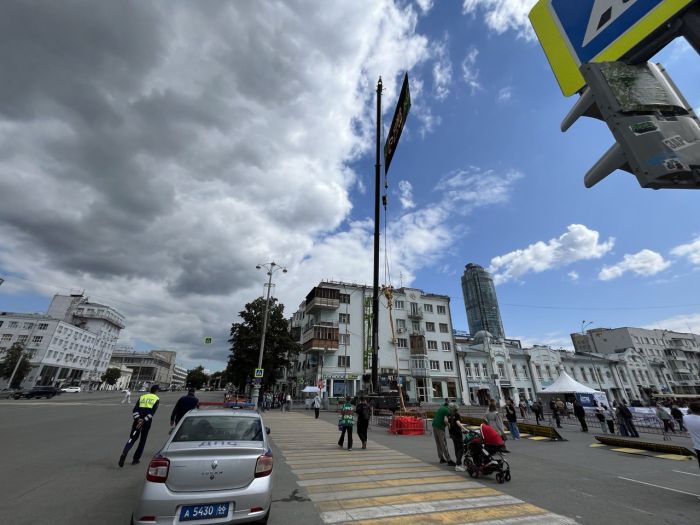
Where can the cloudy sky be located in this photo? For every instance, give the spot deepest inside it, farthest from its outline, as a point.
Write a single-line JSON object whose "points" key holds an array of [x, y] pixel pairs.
{"points": [[152, 153]]}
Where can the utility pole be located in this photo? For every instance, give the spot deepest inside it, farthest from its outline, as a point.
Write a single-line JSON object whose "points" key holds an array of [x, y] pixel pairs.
{"points": [[375, 282]]}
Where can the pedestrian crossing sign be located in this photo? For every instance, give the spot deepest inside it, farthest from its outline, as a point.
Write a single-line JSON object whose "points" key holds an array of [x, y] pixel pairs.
{"points": [[208, 340], [577, 32], [259, 373]]}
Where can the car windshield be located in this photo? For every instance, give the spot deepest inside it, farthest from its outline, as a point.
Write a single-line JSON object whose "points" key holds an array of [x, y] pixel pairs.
{"points": [[203, 428]]}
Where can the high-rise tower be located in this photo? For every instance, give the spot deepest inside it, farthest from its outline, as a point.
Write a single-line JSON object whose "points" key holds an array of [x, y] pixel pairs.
{"points": [[481, 302]]}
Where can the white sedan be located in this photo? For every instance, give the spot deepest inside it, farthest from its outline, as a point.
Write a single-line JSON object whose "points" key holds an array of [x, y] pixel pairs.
{"points": [[72, 389]]}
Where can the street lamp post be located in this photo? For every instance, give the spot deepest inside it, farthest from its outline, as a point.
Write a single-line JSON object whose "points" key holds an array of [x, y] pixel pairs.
{"points": [[271, 268]]}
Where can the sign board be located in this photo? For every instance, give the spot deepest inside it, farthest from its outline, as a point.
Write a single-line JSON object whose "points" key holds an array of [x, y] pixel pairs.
{"points": [[400, 114], [259, 372], [576, 32], [208, 340]]}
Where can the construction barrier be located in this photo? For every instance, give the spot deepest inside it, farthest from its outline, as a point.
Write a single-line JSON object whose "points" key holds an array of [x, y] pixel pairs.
{"points": [[407, 426], [645, 445]]}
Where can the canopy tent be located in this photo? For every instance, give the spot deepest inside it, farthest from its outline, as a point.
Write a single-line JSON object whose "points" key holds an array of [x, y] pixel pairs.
{"points": [[565, 384], [311, 389]]}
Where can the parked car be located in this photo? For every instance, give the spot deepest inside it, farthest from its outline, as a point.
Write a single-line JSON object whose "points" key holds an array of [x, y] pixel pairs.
{"points": [[38, 391], [72, 389], [7, 393], [216, 465]]}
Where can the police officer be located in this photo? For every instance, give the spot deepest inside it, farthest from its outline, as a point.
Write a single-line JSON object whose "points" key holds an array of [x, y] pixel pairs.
{"points": [[144, 410], [183, 405]]}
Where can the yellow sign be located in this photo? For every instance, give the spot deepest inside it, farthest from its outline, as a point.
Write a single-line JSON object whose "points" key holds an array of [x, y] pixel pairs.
{"points": [[581, 31]]}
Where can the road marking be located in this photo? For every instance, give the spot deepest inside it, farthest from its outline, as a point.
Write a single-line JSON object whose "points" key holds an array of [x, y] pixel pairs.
{"points": [[405, 491], [675, 457], [355, 477], [596, 445], [538, 438], [368, 472], [340, 487], [459, 516], [631, 451], [659, 486], [688, 473], [347, 468]]}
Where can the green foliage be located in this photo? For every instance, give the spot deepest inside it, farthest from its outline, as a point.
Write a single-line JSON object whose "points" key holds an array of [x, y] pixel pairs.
{"points": [[196, 377], [111, 375], [280, 347], [10, 361]]}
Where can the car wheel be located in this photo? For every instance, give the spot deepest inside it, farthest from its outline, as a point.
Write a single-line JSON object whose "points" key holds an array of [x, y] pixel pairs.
{"points": [[263, 521]]}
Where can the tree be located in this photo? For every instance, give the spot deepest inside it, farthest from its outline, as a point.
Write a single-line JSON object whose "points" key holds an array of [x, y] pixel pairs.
{"points": [[280, 347], [216, 378], [111, 375], [14, 353], [196, 377]]}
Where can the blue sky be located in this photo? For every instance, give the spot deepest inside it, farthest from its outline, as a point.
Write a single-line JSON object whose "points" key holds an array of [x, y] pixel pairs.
{"points": [[201, 140]]}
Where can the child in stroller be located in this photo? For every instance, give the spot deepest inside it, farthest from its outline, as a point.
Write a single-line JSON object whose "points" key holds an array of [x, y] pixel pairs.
{"points": [[483, 454]]}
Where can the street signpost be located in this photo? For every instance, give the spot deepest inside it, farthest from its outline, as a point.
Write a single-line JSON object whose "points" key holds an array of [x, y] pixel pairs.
{"points": [[573, 33], [208, 340], [259, 372], [400, 113]]}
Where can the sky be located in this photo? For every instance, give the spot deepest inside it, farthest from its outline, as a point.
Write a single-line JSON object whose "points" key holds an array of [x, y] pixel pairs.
{"points": [[153, 153]]}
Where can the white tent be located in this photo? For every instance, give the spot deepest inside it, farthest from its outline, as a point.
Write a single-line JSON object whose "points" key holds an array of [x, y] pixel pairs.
{"points": [[565, 384], [311, 389]]}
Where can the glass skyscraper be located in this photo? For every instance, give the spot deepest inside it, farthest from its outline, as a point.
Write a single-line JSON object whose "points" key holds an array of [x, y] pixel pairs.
{"points": [[481, 302]]}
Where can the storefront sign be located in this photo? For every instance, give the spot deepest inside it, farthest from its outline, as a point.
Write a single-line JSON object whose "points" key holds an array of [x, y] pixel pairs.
{"points": [[340, 376]]}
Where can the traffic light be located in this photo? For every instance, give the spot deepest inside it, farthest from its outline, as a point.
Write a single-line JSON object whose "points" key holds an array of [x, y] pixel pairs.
{"points": [[657, 132]]}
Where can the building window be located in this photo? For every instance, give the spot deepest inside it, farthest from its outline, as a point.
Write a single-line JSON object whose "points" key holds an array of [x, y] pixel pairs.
{"points": [[428, 308], [344, 318], [398, 305], [344, 339], [14, 324], [22, 338], [468, 369], [477, 371], [37, 338], [28, 326], [430, 327], [43, 326], [525, 374], [432, 345], [583, 374], [1, 323], [345, 298], [549, 372], [446, 345], [501, 370], [443, 328], [515, 372], [442, 310], [448, 366], [343, 360], [415, 326], [485, 369], [402, 343], [434, 365], [538, 369], [401, 324]]}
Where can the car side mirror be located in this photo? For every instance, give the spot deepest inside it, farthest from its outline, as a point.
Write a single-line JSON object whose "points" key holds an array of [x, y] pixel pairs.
{"points": [[267, 430]]}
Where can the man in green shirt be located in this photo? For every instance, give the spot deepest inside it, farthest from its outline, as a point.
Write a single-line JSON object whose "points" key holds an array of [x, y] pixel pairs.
{"points": [[345, 423], [439, 423]]}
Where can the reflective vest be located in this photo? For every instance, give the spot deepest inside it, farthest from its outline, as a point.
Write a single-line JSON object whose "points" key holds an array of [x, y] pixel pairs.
{"points": [[148, 400]]}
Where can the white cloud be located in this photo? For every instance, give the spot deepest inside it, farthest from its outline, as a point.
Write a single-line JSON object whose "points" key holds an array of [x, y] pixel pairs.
{"points": [[691, 251], [645, 262], [573, 275], [504, 15], [470, 73], [425, 5], [578, 243], [406, 195], [442, 70], [504, 94], [679, 323]]}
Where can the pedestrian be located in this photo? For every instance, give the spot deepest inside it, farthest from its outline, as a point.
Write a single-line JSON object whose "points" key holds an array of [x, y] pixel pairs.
{"points": [[691, 421], [560, 406], [439, 424], [183, 405], [455, 428], [493, 418], [127, 395], [628, 420], [678, 416], [281, 400], [600, 416], [555, 411], [144, 410], [363, 415], [529, 406], [609, 418], [288, 402], [523, 409], [512, 418], [580, 414], [538, 409], [569, 409], [345, 423], [316, 405], [665, 418]]}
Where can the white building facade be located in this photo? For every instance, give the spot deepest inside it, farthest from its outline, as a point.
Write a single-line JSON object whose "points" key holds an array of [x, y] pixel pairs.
{"points": [[69, 345], [416, 346]]}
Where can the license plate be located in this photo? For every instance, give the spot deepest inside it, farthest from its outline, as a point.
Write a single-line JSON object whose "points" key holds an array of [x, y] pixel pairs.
{"points": [[203, 512]]}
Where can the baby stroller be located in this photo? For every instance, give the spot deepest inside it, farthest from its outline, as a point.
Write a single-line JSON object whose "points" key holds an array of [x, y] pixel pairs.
{"points": [[483, 454]]}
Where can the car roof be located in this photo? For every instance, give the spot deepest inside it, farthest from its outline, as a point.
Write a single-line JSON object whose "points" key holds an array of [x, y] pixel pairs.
{"points": [[222, 412]]}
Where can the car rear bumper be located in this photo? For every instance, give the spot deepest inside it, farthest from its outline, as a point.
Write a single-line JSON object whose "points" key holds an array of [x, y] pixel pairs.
{"points": [[164, 505]]}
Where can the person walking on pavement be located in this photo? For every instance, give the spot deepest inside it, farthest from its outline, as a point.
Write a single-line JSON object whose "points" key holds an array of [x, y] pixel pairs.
{"points": [[439, 424], [183, 405], [555, 412], [600, 416], [363, 414], [627, 417], [455, 427], [678, 416], [691, 421], [127, 395], [609, 418], [665, 418], [144, 410], [512, 418], [316, 405], [580, 414], [493, 418], [523, 409], [346, 423], [288, 403], [538, 409]]}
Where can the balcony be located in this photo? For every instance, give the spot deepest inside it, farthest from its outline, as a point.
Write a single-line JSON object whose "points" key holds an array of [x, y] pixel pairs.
{"points": [[320, 345], [415, 313], [321, 337], [417, 345], [323, 298], [420, 372]]}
